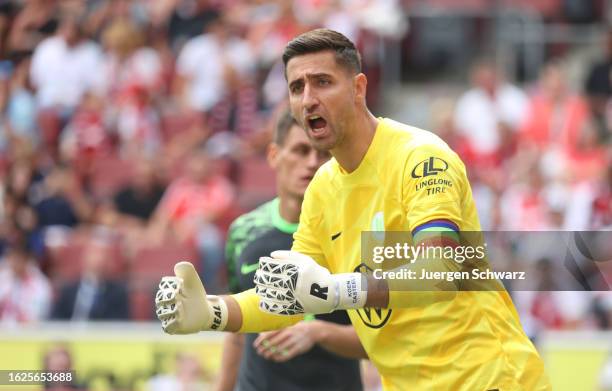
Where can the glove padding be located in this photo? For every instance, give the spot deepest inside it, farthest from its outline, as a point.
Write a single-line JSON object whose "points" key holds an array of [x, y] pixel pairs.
{"points": [[290, 283], [182, 304]]}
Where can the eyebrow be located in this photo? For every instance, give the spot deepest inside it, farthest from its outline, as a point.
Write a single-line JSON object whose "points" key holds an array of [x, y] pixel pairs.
{"points": [[309, 76]]}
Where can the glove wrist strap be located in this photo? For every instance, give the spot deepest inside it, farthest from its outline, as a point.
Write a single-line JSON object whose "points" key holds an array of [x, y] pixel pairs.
{"points": [[219, 313], [351, 290]]}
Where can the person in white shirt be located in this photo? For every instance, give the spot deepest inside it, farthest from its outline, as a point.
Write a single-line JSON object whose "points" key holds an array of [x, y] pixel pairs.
{"points": [[491, 109], [25, 292], [210, 65], [63, 65]]}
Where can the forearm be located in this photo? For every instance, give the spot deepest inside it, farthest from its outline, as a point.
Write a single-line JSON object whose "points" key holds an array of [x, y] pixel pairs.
{"points": [[338, 339], [378, 292], [233, 346], [389, 292], [234, 314], [246, 317]]}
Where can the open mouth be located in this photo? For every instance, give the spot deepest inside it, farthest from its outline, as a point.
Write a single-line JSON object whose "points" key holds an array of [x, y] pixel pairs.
{"points": [[317, 123]]}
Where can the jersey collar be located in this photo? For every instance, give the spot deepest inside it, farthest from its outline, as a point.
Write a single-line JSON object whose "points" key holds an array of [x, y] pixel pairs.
{"points": [[277, 220]]}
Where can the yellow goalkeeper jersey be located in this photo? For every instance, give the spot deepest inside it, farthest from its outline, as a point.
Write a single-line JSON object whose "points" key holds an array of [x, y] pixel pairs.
{"points": [[408, 178]]}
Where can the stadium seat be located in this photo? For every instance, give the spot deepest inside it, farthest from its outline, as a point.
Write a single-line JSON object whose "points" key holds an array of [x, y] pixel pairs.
{"points": [[66, 260], [148, 266], [175, 124], [256, 181], [142, 302], [153, 261], [109, 173]]}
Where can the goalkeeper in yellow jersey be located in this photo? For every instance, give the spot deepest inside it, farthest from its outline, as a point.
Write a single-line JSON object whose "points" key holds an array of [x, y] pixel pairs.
{"points": [[388, 176]]}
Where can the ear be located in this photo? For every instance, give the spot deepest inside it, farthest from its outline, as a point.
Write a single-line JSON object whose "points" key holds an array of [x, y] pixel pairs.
{"points": [[272, 155], [361, 85]]}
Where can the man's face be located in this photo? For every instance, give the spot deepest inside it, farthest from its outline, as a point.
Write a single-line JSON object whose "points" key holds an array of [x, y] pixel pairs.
{"points": [[322, 98], [295, 162]]}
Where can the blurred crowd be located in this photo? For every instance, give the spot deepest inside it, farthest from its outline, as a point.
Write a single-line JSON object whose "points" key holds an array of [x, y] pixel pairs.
{"points": [[132, 132], [539, 158]]}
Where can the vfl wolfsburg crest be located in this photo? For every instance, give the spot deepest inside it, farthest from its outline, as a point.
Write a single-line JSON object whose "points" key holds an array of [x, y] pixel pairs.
{"points": [[378, 226]]}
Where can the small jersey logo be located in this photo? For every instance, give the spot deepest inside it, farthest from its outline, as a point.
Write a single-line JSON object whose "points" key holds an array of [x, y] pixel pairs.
{"points": [[378, 226], [335, 236], [429, 166]]}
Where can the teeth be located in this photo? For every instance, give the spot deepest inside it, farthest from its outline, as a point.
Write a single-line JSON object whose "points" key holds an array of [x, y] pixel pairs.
{"points": [[313, 117]]}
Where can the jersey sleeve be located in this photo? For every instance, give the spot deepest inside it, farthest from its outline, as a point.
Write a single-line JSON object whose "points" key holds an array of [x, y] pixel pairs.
{"points": [[255, 320], [306, 239], [434, 182]]}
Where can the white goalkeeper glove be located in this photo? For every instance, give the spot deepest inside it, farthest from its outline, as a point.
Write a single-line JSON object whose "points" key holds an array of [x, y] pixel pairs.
{"points": [[290, 283], [182, 304]]}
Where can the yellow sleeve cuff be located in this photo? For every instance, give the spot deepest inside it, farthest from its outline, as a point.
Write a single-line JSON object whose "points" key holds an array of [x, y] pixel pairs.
{"points": [[254, 320]]}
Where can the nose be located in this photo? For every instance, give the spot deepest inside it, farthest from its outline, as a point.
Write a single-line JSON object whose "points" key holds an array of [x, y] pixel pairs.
{"points": [[309, 98], [312, 160]]}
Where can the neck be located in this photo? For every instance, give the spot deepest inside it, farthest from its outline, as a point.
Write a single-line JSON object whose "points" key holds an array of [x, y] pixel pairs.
{"points": [[289, 208], [354, 147]]}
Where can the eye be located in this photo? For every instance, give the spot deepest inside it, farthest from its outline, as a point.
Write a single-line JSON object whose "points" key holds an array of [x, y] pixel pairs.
{"points": [[324, 82], [296, 88], [301, 149]]}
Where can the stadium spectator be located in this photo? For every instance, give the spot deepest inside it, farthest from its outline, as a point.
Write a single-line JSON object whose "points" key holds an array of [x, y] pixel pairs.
{"points": [[189, 209], [25, 292], [556, 115], [525, 203], [17, 104], [212, 65], [7, 16], [187, 18], [133, 205], [94, 296], [61, 72], [21, 185], [130, 77], [189, 375], [548, 306], [34, 22], [605, 376], [559, 124], [61, 201], [601, 211], [85, 136], [276, 25], [59, 359], [598, 88], [488, 115], [138, 200]]}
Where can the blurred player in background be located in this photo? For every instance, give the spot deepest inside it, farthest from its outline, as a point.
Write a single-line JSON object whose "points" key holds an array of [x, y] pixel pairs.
{"points": [[300, 357], [378, 180]]}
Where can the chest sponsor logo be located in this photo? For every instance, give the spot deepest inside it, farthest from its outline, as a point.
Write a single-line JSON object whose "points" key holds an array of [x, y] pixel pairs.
{"points": [[374, 318], [429, 166]]}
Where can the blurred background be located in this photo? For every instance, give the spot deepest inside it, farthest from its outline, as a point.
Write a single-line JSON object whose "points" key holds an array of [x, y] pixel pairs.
{"points": [[132, 132]]}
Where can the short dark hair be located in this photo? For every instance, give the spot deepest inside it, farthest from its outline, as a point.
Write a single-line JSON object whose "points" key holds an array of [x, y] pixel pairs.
{"points": [[283, 125], [324, 39]]}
